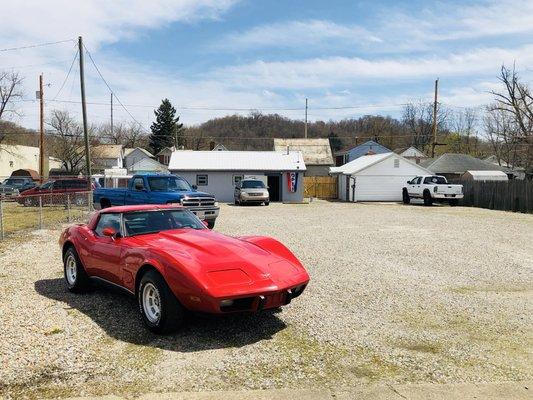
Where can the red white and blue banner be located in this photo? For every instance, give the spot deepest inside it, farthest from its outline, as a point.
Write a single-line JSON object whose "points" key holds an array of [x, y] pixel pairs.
{"points": [[292, 181]]}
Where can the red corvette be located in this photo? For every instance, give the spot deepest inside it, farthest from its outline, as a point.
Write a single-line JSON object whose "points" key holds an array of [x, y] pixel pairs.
{"points": [[168, 259]]}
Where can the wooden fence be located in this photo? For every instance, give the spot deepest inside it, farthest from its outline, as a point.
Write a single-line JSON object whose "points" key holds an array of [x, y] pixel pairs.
{"points": [[321, 187], [514, 195]]}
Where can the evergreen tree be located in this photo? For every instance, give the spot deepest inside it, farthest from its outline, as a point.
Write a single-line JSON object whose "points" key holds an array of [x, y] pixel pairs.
{"points": [[334, 141], [166, 130]]}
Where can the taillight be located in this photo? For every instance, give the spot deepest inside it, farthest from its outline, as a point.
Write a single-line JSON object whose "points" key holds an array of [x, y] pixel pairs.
{"points": [[435, 189]]}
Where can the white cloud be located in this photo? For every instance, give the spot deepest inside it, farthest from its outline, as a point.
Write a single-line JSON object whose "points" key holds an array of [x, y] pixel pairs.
{"points": [[295, 34]]}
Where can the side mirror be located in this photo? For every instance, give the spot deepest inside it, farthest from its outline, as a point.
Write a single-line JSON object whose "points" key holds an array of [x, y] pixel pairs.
{"points": [[139, 187], [109, 232], [205, 223], [194, 187]]}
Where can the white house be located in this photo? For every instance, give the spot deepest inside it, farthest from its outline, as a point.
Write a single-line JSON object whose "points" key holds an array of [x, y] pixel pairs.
{"points": [[133, 156], [411, 153], [376, 177], [147, 164], [217, 172], [14, 157], [107, 156]]}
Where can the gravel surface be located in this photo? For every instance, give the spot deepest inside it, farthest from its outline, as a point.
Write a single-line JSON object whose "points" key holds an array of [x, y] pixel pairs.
{"points": [[398, 294]]}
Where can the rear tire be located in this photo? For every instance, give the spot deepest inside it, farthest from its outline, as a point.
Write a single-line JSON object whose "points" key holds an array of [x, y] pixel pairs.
{"points": [[405, 197], [267, 203], [75, 276], [454, 202], [427, 199], [160, 310]]}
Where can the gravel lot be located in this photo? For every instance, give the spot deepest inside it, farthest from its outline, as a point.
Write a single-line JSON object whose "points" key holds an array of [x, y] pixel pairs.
{"points": [[398, 294]]}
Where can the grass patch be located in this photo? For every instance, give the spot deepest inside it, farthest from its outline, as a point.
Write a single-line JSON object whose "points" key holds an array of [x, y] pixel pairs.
{"points": [[489, 289], [54, 331]]}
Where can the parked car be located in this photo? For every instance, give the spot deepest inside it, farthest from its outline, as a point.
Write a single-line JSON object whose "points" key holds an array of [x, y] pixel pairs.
{"points": [[167, 259], [13, 186], [57, 191], [159, 189], [251, 191], [432, 188]]}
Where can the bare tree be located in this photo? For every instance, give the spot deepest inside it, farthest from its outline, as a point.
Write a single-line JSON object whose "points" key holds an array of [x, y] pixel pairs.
{"points": [[67, 141], [500, 131], [128, 135], [418, 118], [517, 101], [463, 123], [10, 91]]}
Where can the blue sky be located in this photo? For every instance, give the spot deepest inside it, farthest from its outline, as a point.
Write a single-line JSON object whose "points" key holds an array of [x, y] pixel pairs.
{"points": [[212, 56]]}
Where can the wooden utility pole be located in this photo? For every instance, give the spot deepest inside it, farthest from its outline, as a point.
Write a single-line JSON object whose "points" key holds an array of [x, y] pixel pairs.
{"points": [[41, 124], [84, 115], [111, 114], [305, 128], [434, 128]]}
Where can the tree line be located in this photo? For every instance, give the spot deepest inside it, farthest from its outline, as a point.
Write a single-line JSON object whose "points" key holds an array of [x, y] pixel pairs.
{"points": [[503, 128]]}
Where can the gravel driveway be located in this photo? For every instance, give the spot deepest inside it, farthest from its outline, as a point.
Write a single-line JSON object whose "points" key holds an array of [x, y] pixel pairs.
{"points": [[398, 294]]}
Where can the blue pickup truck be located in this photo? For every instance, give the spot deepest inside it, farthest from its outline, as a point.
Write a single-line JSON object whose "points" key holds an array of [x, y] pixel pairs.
{"points": [[159, 189]]}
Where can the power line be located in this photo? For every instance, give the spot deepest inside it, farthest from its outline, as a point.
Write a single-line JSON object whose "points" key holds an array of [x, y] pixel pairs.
{"points": [[68, 74], [32, 46]]}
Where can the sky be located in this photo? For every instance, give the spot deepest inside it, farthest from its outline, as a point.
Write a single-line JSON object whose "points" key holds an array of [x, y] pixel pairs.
{"points": [[217, 57]]}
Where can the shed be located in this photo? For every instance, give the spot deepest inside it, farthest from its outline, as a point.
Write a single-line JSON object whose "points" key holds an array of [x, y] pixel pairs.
{"points": [[453, 166], [376, 177], [217, 172], [316, 152], [484, 176]]}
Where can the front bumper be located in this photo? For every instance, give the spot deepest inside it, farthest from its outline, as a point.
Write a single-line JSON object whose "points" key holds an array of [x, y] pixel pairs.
{"points": [[253, 199], [206, 213]]}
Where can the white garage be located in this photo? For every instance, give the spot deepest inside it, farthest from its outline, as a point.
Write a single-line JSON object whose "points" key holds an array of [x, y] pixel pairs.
{"points": [[376, 177]]}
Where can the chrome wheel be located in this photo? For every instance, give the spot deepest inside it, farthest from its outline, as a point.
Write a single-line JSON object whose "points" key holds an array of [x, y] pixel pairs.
{"points": [[71, 269], [151, 302]]}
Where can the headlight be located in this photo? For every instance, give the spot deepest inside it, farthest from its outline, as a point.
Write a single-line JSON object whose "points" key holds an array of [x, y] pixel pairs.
{"points": [[226, 303], [216, 203]]}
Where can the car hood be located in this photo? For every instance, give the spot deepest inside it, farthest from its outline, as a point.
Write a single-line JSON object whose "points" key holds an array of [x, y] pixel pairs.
{"points": [[222, 262]]}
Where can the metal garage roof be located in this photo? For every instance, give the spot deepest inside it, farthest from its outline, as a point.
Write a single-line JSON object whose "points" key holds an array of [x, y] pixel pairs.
{"points": [[315, 151], [190, 160], [364, 162], [451, 163]]}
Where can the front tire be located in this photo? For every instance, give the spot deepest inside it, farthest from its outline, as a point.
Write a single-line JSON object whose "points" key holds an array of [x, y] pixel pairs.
{"points": [[160, 310], [405, 197], [75, 276], [211, 224], [267, 203], [427, 199]]}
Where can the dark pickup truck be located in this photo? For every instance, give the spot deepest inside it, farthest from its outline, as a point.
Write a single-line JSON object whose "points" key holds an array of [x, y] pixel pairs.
{"points": [[160, 189]]}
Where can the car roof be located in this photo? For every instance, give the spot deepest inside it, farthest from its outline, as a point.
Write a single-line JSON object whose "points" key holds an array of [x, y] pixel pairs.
{"points": [[142, 207]]}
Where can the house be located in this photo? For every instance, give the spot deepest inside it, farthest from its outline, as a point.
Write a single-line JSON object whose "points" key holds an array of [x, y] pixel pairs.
{"points": [[411, 153], [484, 176], [134, 155], [219, 147], [14, 157], [453, 166], [107, 156], [517, 172], [316, 152], [217, 172], [146, 165], [370, 147], [164, 155], [376, 177]]}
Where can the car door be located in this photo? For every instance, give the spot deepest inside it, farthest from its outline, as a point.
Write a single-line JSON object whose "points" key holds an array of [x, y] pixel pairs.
{"points": [[417, 187], [105, 256], [138, 194], [411, 186]]}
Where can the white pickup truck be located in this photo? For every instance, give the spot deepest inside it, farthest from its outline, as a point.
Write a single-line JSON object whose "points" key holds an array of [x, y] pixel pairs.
{"points": [[432, 188]]}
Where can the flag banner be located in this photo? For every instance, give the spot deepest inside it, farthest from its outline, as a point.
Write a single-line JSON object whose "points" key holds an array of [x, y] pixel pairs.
{"points": [[292, 181]]}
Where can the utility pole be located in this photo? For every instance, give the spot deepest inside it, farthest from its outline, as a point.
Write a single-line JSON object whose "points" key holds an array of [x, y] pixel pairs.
{"points": [[41, 136], [84, 115], [111, 114], [434, 144], [305, 129]]}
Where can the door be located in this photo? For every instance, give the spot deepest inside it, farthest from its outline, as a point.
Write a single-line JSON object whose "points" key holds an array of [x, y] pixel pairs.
{"points": [[274, 187], [138, 194], [104, 256], [415, 188]]}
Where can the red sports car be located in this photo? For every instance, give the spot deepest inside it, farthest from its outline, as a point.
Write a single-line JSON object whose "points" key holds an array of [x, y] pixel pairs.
{"points": [[168, 259]]}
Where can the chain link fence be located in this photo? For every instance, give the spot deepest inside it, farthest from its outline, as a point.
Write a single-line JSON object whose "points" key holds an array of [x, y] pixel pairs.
{"points": [[19, 212]]}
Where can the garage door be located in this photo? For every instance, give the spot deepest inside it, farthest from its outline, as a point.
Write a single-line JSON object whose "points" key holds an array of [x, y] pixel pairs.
{"points": [[379, 188]]}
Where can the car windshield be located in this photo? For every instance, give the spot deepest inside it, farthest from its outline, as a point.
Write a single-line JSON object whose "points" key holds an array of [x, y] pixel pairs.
{"points": [[144, 222], [47, 185], [168, 184], [435, 180], [252, 185], [13, 182]]}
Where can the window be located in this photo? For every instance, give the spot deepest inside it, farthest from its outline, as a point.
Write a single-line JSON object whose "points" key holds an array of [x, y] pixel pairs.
{"points": [[144, 222], [435, 180], [138, 184], [396, 163], [201, 180], [237, 179], [253, 184], [111, 220], [168, 184]]}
